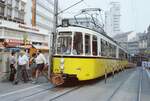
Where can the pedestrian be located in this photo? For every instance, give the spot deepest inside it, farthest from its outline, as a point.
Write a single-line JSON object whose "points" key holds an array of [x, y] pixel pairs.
{"points": [[41, 62], [12, 61], [33, 65], [22, 66]]}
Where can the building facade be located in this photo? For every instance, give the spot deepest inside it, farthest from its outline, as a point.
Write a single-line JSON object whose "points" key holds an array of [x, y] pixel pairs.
{"points": [[129, 41], [24, 22], [13, 10], [45, 15], [16, 24], [133, 47], [112, 19], [143, 40]]}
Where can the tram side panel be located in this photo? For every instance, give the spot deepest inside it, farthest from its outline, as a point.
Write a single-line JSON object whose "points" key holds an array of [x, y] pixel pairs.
{"points": [[86, 68]]}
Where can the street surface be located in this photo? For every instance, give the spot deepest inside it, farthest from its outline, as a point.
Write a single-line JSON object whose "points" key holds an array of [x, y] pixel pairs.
{"points": [[130, 85]]}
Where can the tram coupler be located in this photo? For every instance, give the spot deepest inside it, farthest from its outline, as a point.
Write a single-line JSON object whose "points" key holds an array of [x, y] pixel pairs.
{"points": [[57, 79]]}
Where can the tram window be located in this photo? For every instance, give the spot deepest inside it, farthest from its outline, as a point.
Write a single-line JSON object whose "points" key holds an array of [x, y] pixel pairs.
{"points": [[114, 51], [94, 44], [78, 44], [64, 45], [87, 45], [103, 47], [126, 55], [108, 49], [121, 53]]}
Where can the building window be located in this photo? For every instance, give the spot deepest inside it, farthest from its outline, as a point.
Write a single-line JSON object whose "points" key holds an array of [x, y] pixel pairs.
{"points": [[78, 43], [21, 16], [94, 44], [1, 11], [16, 14], [87, 45], [9, 2], [9, 12], [22, 6], [17, 4]]}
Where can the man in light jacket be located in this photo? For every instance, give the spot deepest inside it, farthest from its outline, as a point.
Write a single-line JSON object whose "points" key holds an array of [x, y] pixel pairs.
{"points": [[41, 62]]}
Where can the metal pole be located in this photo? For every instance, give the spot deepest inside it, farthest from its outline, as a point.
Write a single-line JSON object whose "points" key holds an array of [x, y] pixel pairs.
{"points": [[53, 40], [52, 37], [55, 15]]}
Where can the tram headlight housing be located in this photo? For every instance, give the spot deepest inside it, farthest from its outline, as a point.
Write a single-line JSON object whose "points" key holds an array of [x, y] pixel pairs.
{"points": [[62, 63], [65, 22]]}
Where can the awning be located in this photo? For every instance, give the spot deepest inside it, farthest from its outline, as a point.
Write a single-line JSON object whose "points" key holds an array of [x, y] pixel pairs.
{"points": [[41, 47], [25, 46], [12, 42]]}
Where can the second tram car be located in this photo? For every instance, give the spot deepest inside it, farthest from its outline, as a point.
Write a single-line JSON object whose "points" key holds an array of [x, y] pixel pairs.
{"points": [[86, 54]]}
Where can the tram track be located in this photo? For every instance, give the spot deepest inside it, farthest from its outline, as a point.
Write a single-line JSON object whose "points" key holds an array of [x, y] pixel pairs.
{"points": [[36, 93], [117, 89], [62, 91], [122, 86], [140, 85], [145, 81], [57, 96], [65, 93]]}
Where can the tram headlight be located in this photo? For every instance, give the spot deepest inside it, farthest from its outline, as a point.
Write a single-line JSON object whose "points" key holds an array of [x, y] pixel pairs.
{"points": [[62, 63]]}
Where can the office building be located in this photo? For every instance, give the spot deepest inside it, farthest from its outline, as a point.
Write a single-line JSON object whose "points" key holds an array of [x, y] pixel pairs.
{"points": [[112, 19]]}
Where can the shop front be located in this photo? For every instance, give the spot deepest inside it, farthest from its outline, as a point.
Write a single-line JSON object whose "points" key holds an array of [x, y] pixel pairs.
{"points": [[6, 47]]}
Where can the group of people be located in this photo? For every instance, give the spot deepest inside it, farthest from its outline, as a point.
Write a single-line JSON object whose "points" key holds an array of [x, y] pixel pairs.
{"points": [[67, 50], [22, 68]]}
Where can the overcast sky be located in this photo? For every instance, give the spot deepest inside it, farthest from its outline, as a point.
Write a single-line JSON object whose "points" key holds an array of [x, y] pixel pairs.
{"points": [[135, 14]]}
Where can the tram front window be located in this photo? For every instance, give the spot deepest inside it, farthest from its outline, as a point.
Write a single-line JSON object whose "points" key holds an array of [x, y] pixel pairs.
{"points": [[64, 45], [78, 44]]}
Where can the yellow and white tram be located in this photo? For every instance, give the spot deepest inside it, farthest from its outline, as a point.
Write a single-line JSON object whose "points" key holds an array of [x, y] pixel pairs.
{"points": [[86, 54]]}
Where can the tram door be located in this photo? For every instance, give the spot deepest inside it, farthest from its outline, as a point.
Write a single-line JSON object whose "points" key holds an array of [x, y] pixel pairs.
{"points": [[4, 65]]}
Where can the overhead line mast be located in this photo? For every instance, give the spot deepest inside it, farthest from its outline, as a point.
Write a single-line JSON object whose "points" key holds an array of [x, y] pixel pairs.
{"points": [[56, 13]]}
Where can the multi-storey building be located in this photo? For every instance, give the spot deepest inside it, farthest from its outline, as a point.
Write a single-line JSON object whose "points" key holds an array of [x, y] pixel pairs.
{"points": [[12, 10], [143, 39], [30, 19], [112, 19], [128, 41], [45, 14], [25, 22]]}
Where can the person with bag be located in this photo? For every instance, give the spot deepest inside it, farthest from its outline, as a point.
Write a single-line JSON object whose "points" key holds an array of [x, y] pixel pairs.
{"points": [[12, 61]]}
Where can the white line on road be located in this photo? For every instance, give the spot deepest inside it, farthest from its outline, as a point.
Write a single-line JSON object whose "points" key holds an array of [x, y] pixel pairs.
{"points": [[18, 91]]}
